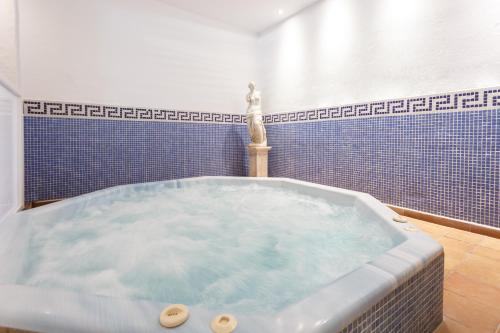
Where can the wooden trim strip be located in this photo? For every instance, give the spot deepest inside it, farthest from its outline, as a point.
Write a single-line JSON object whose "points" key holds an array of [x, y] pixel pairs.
{"points": [[448, 221]]}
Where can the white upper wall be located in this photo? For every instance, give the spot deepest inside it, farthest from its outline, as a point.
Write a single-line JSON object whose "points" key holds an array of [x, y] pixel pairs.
{"points": [[345, 51], [132, 52], [250, 16], [8, 44], [147, 53], [11, 153], [11, 157]]}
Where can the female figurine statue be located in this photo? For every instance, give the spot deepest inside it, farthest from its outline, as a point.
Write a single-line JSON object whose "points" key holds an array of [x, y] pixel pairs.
{"points": [[255, 123]]}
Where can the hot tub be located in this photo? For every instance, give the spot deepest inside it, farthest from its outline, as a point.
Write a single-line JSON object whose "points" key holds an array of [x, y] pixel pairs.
{"points": [[280, 255]]}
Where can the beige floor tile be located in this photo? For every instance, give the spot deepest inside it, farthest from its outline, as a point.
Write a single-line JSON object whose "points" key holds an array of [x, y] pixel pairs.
{"points": [[455, 244], [480, 269], [465, 236], [430, 228], [451, 326], [447, 273], [435, 237], [472, 279], [479, 317], [493, 243], [486, 252], [472, 289], [453, 258], [455, 251]]}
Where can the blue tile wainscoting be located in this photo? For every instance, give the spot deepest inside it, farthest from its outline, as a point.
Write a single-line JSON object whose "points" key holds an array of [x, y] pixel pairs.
{"points": [[438, 154], [68, 152]]}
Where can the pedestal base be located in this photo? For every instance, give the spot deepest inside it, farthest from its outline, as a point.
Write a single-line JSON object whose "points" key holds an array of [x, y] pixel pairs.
{"points": [[258, 160]]}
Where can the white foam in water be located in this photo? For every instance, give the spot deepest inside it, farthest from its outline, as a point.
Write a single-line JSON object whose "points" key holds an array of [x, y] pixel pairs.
{"points": [[204, 245]]}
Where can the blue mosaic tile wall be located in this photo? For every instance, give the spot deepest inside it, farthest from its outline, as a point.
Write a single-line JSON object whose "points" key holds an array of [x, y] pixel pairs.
{"points": [[442, 163], [438, 154], [65, 157]]}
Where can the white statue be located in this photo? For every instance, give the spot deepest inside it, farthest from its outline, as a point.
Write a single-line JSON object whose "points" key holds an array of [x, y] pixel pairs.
{"points": [[255, 123]]}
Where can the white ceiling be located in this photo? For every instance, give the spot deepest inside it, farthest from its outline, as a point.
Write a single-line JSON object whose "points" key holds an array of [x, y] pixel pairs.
{"points": [[250, 15]]}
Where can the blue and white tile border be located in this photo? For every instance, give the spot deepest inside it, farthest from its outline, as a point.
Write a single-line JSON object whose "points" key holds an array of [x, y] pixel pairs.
{"points": [[471, 100], [109, 112]]}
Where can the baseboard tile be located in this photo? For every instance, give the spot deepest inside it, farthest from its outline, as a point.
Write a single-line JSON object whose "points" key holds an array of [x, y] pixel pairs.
{"points": [[448, 222], [39, 203]]}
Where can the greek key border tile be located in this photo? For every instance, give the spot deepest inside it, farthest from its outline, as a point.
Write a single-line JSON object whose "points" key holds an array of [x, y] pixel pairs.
{"points": [[472, 100], [97, 111]]}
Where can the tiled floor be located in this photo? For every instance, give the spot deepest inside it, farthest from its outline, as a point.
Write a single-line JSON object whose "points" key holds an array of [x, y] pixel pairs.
{"points": [[471, 280]]}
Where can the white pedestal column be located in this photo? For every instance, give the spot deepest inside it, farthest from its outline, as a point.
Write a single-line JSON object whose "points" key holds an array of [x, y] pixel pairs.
{"points": [[258, 160]]}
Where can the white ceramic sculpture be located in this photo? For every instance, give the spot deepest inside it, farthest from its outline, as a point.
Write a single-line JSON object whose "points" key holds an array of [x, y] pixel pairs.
{"points": [[255, 122]]}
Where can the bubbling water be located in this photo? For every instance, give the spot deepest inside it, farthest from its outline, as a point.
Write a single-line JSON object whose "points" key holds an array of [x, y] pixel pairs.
{"points": [[240, 248]]}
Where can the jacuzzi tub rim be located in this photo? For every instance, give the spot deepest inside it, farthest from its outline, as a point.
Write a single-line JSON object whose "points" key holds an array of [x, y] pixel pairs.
{"points": [[327, 310]]}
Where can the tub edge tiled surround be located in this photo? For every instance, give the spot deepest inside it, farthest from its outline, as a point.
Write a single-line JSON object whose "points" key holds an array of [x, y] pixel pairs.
{"points": [[415, 305], [438, 154]]}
